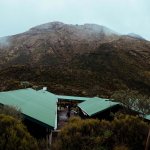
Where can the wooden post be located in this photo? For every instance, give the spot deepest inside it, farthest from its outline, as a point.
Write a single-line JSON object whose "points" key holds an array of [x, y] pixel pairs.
{"points": [[47, 138], [59, 103], [148, 141], [50, 138]]}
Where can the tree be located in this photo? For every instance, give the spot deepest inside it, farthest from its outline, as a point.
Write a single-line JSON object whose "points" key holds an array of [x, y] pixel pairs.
{"points": [[130, 130], [123, 133], [133, 100], [14, 135], [82, 135], [11, 111]]}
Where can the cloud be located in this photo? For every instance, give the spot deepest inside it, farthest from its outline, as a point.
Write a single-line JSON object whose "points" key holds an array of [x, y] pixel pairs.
{"points": [[4, 42], [122, 16]]}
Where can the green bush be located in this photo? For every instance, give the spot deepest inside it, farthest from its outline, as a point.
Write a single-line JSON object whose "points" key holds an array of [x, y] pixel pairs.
{"points": [[14, 135], [130, 130], [42, 144], [83, 135], [126, 132], [121, 147], [11, 111]]}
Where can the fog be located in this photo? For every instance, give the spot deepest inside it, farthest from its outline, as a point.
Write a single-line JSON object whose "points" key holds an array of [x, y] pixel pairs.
{"points": [[122, 16], [4, 42]]}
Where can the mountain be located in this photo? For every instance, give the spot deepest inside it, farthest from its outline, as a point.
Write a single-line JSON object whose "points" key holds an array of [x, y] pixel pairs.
{"points": [[84, 59], [135, 36], [45, 43]]}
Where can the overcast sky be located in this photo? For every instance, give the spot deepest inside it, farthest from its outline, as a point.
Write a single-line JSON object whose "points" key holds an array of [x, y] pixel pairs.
{"points": [[123, 16]]}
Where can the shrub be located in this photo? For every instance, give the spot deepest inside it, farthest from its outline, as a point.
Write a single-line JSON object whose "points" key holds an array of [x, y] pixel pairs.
{"points": [[123, 133], [14, 135], [11, 111], [121, 147], [83, 135], [130, 130]]}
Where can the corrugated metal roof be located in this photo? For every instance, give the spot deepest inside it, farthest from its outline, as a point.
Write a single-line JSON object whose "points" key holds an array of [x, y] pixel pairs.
{"points": [[38, 105], [73, 98], [147, 117], [96, 105]]}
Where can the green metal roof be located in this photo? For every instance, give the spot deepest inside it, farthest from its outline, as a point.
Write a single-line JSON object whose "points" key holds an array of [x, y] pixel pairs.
{"points": [[41, 106], [147, 117], [72, 98], [96, 105]]}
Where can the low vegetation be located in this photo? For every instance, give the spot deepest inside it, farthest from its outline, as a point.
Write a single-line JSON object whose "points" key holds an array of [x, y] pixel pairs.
{"points": [[123, 133], [11, 111], [14, 134], [133, 100], [71, 80]]}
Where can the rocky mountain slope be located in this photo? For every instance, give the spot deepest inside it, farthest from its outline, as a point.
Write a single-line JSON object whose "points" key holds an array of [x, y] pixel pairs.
{"points": [[75, 59], [53, 40]]}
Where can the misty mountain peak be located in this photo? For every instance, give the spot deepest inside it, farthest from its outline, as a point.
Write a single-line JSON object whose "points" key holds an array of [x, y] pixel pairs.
{"points": [[50, 42], [100, 29], [133, 35], [86, 29], [48, 26]]}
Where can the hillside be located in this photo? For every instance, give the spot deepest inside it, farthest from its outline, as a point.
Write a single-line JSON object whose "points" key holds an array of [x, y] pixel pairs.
{"points": [[52, 42], [75, 59]]}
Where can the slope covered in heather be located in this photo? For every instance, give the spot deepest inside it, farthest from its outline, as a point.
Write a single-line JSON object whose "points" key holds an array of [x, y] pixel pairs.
{"points": [[75, 59]]}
